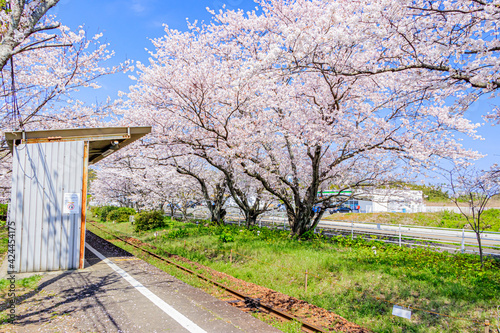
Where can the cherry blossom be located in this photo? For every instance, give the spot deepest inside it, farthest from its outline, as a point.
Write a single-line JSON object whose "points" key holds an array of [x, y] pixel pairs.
{"points": [[37, 87], [19, 21], [285, 96], [130, 179], [474, 188]]}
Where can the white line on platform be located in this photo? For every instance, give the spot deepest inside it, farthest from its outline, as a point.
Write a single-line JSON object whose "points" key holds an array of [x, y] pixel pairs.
{"points": [[169, 310]]}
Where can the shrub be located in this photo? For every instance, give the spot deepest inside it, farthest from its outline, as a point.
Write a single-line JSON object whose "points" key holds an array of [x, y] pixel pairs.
{"points": [[226, 237], [149, 220], [120, 215], [310, 235], [102, 212], [95, 210]]}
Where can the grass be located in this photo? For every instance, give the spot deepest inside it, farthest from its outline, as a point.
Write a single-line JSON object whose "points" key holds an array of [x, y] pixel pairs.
{"points": [[26, 284], [354, 282], [23, 286], [4, 239], [29, 283], [288, 327], [445, 219]]}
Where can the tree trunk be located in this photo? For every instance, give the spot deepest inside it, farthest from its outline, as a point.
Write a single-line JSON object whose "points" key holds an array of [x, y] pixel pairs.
{"points": [[217, 213], [172, 210], [241, 198], [184, 212], [298, 221], [251, 217], [304, 219], [478, 236]]}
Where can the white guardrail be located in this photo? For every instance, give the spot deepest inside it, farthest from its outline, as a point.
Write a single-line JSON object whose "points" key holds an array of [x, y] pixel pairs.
{"points": [[410, 235]]}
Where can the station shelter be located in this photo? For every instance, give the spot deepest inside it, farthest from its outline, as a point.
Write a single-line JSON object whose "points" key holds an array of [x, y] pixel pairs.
{"points": [[49, 191]]}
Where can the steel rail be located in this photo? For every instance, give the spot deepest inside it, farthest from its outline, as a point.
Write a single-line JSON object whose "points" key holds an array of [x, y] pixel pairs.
{"points": [[268, 307]]}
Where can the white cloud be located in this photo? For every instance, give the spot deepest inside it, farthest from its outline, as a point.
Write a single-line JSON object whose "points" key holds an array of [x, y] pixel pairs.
{"points": [[138, 6]]}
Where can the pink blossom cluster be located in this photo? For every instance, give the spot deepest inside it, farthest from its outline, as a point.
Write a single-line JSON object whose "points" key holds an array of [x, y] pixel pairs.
{"points": [[302, 95]]}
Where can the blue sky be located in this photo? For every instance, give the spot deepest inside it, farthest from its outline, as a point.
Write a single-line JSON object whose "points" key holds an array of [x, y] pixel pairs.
{"points": [[128, 26]]}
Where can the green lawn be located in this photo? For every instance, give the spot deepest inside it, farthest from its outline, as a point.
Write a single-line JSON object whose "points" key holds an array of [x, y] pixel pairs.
{"points": [[352, 276]]}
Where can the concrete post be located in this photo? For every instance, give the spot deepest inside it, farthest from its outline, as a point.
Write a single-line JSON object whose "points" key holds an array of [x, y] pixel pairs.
{"points": [[399, 235], [462, 246]]}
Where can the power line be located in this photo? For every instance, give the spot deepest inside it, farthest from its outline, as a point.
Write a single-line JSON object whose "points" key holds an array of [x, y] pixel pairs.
{"points": [[16, 115]]}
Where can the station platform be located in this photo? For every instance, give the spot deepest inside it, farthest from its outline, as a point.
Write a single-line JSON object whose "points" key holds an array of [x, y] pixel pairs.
{"points": [[117, 292]]}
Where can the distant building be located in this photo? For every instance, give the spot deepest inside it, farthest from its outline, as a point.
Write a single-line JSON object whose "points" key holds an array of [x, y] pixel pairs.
{"points": [[383, 200]]}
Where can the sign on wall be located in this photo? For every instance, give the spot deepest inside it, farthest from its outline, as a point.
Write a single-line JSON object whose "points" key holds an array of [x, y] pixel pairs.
{"points": [[71, 203]]}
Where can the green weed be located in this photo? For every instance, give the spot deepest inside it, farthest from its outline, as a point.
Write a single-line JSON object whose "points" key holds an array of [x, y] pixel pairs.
{"points": [[4, 239], [177, 233], [226, 238]]}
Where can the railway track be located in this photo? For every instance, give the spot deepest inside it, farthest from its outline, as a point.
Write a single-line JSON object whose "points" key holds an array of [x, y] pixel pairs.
{"points": [[249, 301]]}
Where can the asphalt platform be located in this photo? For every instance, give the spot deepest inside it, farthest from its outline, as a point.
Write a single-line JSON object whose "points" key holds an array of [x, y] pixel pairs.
{"points": [[117, 292]]}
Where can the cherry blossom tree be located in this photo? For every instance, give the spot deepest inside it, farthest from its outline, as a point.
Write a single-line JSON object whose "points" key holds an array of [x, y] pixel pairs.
{"points": [[476, 188], [152, 176], [37, 87], [452, 43], [123, 179], [20, 20], [112, 186], [250, 196], [41, 81], [281, 95], [210, 181], [439, 45], [186, 140], [131, 179]]}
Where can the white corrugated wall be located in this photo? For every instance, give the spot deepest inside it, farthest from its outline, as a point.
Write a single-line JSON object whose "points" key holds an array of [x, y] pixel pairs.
{"points": [[46, 238]]}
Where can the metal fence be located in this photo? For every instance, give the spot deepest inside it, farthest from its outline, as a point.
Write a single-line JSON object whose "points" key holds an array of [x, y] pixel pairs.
{"points": [[454, 209], [446, 239]]}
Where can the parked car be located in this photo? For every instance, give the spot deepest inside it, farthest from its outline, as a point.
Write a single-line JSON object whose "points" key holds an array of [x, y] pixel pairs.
{"points": [[341, 209], [191, 204], [317, 208]]}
